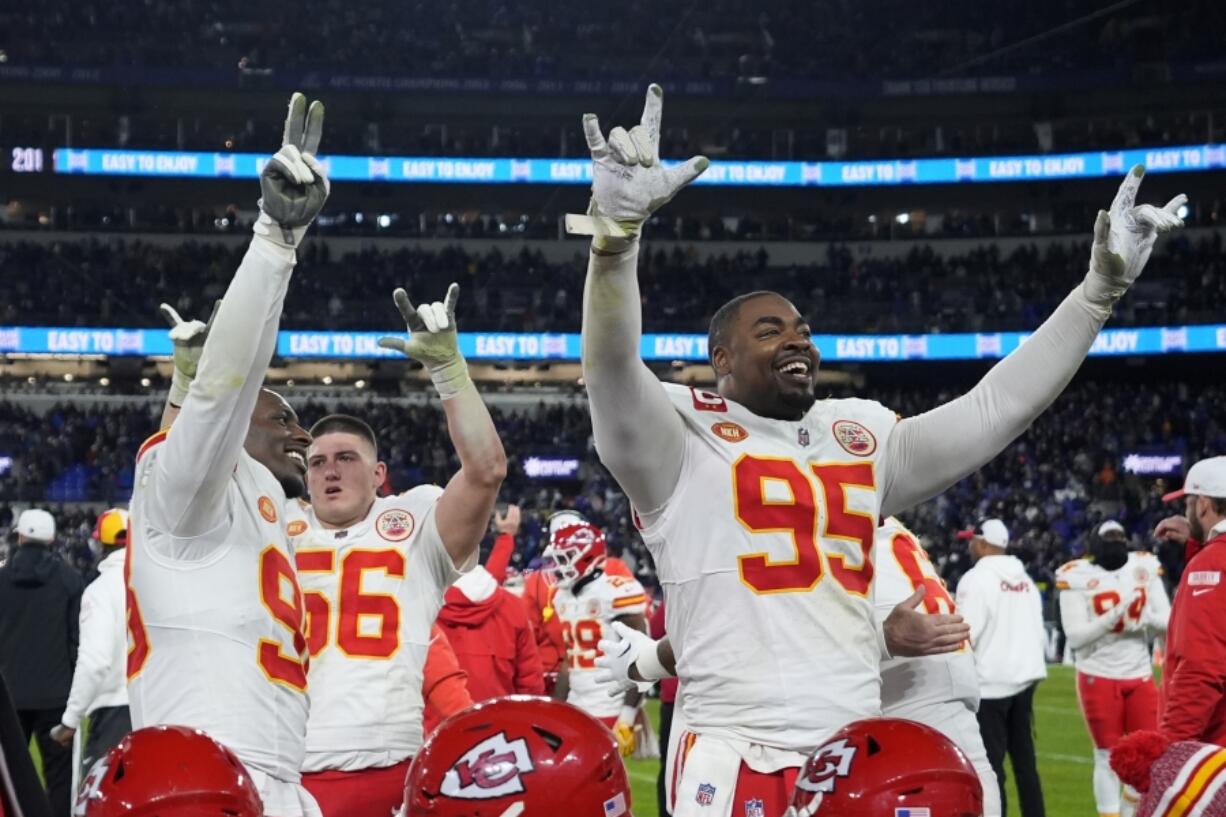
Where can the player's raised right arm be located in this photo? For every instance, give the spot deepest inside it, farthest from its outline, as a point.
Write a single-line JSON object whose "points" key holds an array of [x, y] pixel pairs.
{"points": [[200, 453], [638, 433]]}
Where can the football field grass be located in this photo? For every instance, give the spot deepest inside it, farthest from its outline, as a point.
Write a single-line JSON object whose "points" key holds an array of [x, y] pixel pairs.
{"points": [[1063, 747]]}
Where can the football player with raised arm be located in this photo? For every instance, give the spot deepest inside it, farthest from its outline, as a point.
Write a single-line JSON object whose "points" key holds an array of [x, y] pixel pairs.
{"points": [[214, 609], [374, 570], [759, 503]]}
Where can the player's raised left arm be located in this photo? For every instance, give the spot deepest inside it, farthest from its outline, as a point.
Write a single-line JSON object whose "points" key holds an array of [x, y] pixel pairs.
{"points": [[930, 452], [464, 509]]}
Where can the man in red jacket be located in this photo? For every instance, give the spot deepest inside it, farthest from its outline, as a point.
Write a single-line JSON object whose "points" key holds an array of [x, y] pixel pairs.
{"points": [[1194, 687], [489, 632]]}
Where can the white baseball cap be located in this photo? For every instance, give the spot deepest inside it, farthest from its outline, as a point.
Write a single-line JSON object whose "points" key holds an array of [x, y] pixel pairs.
{"points": [[1111, 526], [992, 531], [1205, 478], [37, 525]]}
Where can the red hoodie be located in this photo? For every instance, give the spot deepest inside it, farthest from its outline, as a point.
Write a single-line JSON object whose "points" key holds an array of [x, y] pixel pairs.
{"points": [[1193, 683], [489, 631]]}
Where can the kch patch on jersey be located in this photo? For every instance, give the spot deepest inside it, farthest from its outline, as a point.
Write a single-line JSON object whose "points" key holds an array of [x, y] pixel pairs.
{"points": [[1204, 578], [296, 528], [828, 763], [854, 438], [730, 432], [267, 509], [493, 768], [395, 525]]}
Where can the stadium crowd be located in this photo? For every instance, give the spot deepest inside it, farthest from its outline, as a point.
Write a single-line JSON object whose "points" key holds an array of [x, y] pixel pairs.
{"points": [[120, 282], [1052, 487], [725, 39]]}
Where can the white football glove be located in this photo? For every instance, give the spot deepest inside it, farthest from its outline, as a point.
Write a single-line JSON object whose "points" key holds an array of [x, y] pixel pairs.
{"points": [[1124, 239], [188, 338], [618, 653], [432, 340], [293, 182], [628, 181]]}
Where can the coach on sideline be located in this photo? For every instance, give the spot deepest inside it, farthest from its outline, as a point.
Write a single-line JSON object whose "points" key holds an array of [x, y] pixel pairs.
{"points": [[1194, 704], [1000, 602]]}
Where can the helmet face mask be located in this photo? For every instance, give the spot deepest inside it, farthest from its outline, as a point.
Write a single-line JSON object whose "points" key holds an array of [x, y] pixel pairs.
{"points": [[574, 551]]}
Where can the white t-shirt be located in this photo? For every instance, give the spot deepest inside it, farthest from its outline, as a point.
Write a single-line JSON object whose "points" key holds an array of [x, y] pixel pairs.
{"points": [[372, 592], [586, 618], [763, 551], [1001, 603]]}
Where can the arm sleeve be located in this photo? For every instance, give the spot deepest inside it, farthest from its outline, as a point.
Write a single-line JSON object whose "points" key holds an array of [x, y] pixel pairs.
{"points": [[199, 455], [638, 434], [1158, 606], [93, 657], [1198, 684], [500, 557], [529, 676], [930, 452], [972, 606], [1081, 627]]}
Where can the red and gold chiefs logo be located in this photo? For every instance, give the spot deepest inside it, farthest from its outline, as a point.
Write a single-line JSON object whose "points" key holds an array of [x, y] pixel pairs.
{"points": [[730, 432], [395, 525], [854, 438], [296, 528], [268, 509]]}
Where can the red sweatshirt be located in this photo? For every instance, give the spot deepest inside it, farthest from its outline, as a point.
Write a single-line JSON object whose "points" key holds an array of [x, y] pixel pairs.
{"points": [[1194, 679], [489, 631], [444, 686]]}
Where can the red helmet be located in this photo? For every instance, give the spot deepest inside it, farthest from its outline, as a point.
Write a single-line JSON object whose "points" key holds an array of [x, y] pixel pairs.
{"points": [[519, 755], [575, 550], [168, 771], [885, 766]]}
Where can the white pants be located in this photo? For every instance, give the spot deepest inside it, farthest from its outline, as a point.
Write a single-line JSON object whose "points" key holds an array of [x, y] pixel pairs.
{"points": [[957, 721], [284, 799]]}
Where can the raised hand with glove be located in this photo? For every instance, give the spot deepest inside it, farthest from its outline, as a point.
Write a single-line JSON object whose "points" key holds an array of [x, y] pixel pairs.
{"points": [[1124, 239], [293, 183], [188, 339], [432, 340], [629, 182]]}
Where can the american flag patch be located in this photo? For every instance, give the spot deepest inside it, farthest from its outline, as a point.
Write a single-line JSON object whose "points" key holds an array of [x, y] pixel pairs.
{"points": [[615, 806], [913, 811]]}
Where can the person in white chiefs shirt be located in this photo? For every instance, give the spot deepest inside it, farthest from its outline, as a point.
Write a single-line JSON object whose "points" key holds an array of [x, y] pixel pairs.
{"points": [[214, 610], [941, 691], [1003, 606], [373, 572], [588, 600], [759, 502], [1111, 604], [99, 686]]}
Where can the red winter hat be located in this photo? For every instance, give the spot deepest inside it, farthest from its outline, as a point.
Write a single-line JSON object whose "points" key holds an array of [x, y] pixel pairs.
{"points": [[1182, 778]]}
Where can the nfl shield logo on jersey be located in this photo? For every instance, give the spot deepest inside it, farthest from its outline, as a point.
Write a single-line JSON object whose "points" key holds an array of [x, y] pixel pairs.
{"points": [[755, 808], [802, 436], [706, 794]]}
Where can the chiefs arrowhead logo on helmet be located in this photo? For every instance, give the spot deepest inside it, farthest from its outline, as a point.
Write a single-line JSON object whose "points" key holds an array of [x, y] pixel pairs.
{"points": [[492, 768], [827, 764]]}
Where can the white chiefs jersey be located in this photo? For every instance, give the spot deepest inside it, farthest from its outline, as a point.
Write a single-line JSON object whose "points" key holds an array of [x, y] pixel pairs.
{"points": [[585, 619], [371, 594], [911, 684], [1088, 590], [764, 551], [215, 621]]}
